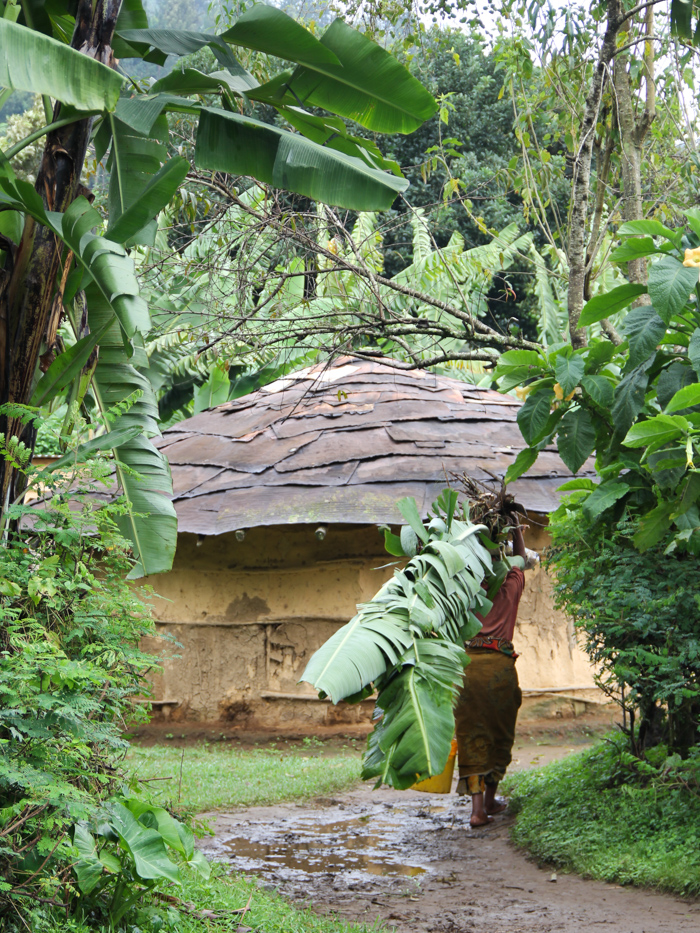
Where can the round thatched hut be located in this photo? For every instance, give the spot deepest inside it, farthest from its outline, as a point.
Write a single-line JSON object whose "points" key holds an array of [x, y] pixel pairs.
{"points": [[278, 497]]}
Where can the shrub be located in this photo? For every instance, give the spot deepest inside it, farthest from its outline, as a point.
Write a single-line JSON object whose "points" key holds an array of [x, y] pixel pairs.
{"points": [[640, 613], [70, 669]]}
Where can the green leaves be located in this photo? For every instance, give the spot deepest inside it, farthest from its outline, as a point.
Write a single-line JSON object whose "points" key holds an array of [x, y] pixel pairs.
{"points": [[609, 303], [603, 497], [368, 86], [568, 371], [269, 30], [644, 329], [656, 431], [687, 397], [39, 64], [65, 368], [522, 463], [408, 641], [670, 283], [534, 414], [413, 738], [242, 145], [576, 438]]}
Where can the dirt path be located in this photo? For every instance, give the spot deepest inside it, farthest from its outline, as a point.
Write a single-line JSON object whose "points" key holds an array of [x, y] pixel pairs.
{"points": [[413, 861]]}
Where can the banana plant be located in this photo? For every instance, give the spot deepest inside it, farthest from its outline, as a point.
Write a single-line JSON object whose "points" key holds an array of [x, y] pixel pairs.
{"points": [[407, 642], [60, 260]]}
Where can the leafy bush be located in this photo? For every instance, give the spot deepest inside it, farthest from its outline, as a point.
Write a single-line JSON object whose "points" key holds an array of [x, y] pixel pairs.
{"points": [[70, 669], [640, 612], [589, 814]]}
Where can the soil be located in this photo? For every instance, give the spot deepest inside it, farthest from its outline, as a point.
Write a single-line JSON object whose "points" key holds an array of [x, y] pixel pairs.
{"points": [[413, 862]]}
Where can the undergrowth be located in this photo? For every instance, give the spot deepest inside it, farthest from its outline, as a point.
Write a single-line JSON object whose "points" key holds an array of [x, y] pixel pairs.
{"points": [[604, 814]]}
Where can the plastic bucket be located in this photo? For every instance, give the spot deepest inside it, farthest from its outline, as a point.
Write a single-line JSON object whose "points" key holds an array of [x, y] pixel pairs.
{"points": [[440, 783]]}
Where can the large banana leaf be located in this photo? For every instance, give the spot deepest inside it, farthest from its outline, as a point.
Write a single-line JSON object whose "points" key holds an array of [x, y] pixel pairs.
{"points": [[241, 145], [30, 61], [140, 185], [368, 86], [267, 29], [118, 313], [412, 739], [407, 642]]}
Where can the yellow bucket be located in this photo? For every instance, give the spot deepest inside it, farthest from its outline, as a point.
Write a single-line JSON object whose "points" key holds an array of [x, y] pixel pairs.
{"points": [[440, 783]]}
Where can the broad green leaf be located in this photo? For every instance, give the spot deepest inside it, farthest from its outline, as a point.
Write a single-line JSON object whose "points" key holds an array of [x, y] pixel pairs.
{"points": [[533, 415], [412, 740], [241, 145], [629, 397], [672, 379], [576, 438], [154, 45], [409, 541], [392, 543], [650, 228], [454, 562], [192, 81], [145, 846], [682, 19], [149, 202], [693, 215], [634, 248], [598, 353], [694, 350], [568, 371], [272, 31], [603, 496], [691, 492], [670, 284], [516, 359], [213, 392], [88, 868], [522, 463], [199, 863], [409, 510], [658, 430], [66, 367], [654, 526], [39, 64], [369, 85], [687, 397], [644, 329], [600, 389], [573, 485], [610, 303]]}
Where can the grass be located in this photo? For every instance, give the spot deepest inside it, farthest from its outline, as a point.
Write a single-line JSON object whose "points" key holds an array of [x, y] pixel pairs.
{"points": [[212, 777], [580, 815], [222, 894]]}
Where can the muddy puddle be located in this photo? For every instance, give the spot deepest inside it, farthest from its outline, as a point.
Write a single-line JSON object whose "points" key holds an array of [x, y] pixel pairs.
{"points": [[412, 862], [352, 844]]}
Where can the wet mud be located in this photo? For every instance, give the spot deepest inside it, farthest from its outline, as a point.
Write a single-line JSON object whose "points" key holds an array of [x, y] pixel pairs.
{"points": [[412, 861]]}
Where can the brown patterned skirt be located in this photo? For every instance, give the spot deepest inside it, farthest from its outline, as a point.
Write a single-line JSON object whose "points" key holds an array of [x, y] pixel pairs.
{"points": [[486, 712]]}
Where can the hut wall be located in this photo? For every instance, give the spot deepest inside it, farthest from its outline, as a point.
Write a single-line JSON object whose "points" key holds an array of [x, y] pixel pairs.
{"points": [[248, 615]]}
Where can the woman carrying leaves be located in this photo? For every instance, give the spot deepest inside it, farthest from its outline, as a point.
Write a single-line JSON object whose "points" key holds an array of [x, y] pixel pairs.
{"points": [[490, 698]]}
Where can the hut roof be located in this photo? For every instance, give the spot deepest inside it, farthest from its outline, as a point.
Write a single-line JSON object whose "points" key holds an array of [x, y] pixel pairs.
{"points": [[343, 443]]}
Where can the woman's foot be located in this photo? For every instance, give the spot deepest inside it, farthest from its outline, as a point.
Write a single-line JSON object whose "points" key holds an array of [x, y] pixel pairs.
{"points": [[477, 821]]}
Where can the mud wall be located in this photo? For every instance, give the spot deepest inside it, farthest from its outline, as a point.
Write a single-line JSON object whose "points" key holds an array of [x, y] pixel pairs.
{"points": [[238, 621]]}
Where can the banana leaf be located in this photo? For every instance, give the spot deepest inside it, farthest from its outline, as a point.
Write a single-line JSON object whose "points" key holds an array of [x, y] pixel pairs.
{"points": [[408, 641]]}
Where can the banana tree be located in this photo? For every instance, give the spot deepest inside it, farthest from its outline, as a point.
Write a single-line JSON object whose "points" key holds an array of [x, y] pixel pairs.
{"points": [[62, 261], [407, 642]]}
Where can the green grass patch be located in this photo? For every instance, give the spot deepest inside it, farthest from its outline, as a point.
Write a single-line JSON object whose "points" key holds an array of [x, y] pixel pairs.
{"points": [[212, 777], [580, 815]]}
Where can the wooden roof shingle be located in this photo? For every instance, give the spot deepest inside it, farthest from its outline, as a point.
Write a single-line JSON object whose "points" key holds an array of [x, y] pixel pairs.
{"points": [[343, 443]]}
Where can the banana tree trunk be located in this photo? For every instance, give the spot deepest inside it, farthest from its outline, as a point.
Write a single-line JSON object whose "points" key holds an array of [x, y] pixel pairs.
{"points": [[30, 291]]}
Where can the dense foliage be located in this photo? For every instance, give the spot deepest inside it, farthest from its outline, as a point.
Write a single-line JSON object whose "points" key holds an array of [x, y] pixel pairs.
{"points": [[72, 677], [640, 616], [606, 815]]}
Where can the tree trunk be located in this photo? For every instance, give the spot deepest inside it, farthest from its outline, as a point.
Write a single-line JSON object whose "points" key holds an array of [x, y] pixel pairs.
{"points": [[29, 303], [582, 176], [632, 134]]}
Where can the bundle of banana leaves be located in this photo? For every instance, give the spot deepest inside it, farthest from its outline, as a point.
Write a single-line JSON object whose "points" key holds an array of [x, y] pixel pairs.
{"points": [[407, 642]]}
